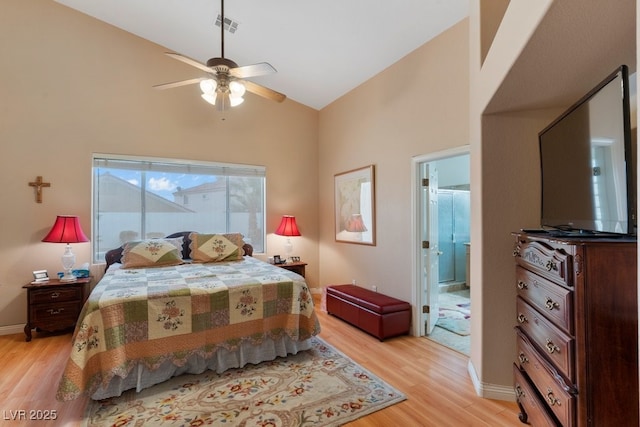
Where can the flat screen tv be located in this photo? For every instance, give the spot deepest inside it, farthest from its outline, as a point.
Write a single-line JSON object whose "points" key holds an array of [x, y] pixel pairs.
{"points": [[588, 164]]}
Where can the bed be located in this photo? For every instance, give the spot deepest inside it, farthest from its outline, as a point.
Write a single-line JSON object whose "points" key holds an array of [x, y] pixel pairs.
{"points": [[184, 304]]}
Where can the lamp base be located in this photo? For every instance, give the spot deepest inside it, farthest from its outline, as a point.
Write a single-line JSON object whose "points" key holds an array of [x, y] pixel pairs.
{"points": [[68, 261], [68, 277], [288, 248]]}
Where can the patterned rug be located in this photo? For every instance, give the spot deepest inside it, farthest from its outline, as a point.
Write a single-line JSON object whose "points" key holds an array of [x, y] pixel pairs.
{"points": [[319, 387], [455, 318]]}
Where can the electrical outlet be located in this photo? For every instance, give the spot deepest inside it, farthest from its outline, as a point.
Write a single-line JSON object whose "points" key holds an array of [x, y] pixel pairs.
{"points": [[353, 282], [374, 288]]}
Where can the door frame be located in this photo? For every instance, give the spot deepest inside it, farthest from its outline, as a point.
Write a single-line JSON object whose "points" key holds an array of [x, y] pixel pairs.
{"points": [[417, 296]]}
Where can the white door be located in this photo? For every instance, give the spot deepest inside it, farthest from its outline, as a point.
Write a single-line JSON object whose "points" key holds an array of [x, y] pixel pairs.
{"points": [[430, 247]]}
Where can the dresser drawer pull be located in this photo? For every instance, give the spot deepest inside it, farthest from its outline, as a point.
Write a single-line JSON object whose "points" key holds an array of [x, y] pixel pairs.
{"points": [[519, 391], [551, 399], [55, 311], [551, 347], [522, 318], [551, 304], [551, 265], [55, 295], [522, 285], [522, 358]]}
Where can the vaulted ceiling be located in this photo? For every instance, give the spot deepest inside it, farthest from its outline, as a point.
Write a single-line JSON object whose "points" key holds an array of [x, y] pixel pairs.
{"points": [[321, 49]]}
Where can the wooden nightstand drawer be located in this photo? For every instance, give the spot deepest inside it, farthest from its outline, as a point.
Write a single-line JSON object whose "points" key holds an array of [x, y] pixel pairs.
{"points": [[54, 305], [53, 295], [55, 316]]}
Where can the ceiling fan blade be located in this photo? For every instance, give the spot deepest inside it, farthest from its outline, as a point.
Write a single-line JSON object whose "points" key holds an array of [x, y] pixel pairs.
{"points": [[265, 92], [179, 83], [246, 71], [189, 61]]}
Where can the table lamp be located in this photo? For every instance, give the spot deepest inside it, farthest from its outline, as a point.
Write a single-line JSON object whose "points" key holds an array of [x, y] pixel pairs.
{"points": [[67, 230], [288, 228]]}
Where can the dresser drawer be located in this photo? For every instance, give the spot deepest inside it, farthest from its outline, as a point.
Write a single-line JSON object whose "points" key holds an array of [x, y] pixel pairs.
{"points": [[552, 300], [558, 395], [557, 346], [51, 317], [553, 263], [535, 411], [52, 295]]}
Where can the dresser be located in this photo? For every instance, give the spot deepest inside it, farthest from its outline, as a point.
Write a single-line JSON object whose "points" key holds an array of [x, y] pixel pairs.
{"points": [[576, 330], [54, 305]]}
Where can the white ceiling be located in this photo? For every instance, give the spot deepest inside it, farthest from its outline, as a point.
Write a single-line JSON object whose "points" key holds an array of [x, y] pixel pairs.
{"points": [[321, 49]]}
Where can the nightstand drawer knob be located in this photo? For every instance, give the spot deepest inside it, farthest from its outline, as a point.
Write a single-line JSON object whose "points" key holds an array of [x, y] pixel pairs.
{"points": [[55, 311], [55, 295]]}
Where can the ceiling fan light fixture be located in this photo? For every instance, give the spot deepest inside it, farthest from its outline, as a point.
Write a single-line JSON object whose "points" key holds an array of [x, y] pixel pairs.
{"points": [[237, 88], [208, 86], [234, 100], [226, 85], [210, 98]]}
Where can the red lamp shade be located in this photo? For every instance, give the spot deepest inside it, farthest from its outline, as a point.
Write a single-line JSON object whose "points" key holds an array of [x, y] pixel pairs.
{"points": [[288, 226], [66, 230]]}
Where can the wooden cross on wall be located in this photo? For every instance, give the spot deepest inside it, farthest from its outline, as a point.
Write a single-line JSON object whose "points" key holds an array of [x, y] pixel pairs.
{"points": [[39, 184]]}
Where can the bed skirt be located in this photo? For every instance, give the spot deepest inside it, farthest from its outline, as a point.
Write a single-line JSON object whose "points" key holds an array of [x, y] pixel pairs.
{"points": [[141, 377]]}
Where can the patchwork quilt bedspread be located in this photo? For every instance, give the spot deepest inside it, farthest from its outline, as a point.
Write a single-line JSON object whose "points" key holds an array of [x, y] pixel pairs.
{"points": [[153, 315]]}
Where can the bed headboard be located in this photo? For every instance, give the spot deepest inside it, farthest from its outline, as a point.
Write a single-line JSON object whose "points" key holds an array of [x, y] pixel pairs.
{"points": [[115, 255]]}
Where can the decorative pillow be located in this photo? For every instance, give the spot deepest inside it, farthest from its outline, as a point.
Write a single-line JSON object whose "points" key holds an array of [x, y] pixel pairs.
{"points": [[152, 253], [175, 241], [216, 247]]}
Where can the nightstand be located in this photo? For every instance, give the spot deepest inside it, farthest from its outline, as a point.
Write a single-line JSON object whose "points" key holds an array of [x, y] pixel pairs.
{"points": [[54, 305], [296, 267]]}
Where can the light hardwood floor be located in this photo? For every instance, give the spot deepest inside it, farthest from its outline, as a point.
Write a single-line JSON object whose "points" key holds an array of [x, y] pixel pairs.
{"points": [[434, 378]]}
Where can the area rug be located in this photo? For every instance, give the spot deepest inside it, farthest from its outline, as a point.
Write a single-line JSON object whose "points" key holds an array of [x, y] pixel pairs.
{"points": [[317, 387], [455, 318]]}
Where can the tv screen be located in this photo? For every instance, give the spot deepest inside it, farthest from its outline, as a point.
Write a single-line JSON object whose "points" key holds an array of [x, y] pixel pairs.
{"points": [[586, 161]]}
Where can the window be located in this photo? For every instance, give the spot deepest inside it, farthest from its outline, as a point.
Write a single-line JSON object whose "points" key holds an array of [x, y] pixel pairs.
{"points": [[136, 198]]}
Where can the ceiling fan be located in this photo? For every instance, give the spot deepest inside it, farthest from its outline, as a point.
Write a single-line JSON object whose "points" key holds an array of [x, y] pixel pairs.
{"points": [[224, 84]]}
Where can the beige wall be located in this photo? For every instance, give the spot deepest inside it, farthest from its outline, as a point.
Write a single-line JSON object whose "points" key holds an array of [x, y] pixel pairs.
{"points": [[544, 57], [417, 106], [71, 85]]}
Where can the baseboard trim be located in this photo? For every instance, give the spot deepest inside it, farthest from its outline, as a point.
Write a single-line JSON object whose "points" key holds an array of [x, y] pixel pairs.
{"points": [[490, 391], [11, 329]]}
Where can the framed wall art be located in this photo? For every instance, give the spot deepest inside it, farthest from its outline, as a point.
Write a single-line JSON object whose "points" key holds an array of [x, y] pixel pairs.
{"points": [[355, 214]]}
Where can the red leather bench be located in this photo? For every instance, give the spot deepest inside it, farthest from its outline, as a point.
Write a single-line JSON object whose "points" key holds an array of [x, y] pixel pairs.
{"points": [[380, 315]]}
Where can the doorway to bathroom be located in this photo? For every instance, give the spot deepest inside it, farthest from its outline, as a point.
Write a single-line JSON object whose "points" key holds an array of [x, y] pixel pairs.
{"points": [[442, 230]]}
